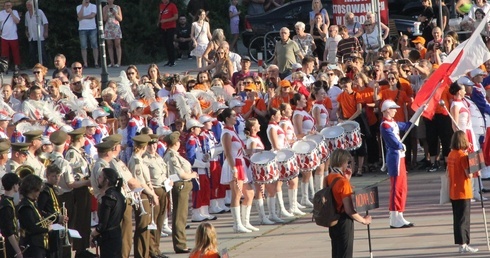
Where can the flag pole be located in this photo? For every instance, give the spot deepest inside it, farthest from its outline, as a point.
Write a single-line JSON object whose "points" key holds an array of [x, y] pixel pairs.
{"points": [[483, 210], [369, 238]]}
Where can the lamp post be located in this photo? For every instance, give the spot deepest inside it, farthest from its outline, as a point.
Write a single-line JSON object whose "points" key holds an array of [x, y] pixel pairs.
{"points": [[104, 76], [38, 21]]}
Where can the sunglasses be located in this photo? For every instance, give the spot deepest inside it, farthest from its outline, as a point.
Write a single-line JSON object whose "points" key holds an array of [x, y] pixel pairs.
{"points": [[50, 87], [386, 71], [129, 73], [36, 72], [391, 78], [257, 82], [407, 71], [220, 52], [330, 74], [77, 83], [77, 68], [247, 82], [65, 83]]}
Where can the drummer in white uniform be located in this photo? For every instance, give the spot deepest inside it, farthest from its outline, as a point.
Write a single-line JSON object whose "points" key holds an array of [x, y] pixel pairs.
{"points": [[233, 173], [254, 144], [304, 124]]}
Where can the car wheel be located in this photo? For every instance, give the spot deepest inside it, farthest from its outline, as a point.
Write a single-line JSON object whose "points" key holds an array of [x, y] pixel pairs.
{"points": [[257, 46]]}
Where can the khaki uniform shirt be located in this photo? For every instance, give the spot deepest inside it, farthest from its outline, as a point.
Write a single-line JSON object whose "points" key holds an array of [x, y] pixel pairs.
{"points": [[98, 166], [158, 169], [139, 169], [78, 162], [66, 173], [11, 166], [177, 165], [123, 172], [34, 162]]}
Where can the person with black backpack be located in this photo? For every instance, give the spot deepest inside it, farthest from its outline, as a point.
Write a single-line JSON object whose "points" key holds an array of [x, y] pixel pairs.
{"points": [[342, 234]]}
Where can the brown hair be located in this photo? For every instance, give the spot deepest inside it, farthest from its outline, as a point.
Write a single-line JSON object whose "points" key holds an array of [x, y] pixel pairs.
{"points": [[459, 141], [249, 124]]}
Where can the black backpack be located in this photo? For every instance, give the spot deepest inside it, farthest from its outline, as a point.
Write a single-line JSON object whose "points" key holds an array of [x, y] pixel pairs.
{"points": [[324, 211]]}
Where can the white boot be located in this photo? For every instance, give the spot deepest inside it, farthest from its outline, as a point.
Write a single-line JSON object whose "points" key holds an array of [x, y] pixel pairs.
{"points": [[311, 187], [395, 221], [282, 210], [165, 228], [228, 197], [304, 196], [205, 212], [222, 206], [318, 183], [271, 203], [264, 220], [246, 218], [197, 216], [237, 222], [297, 203], [406, 222], [293, 197], [214, 207]]}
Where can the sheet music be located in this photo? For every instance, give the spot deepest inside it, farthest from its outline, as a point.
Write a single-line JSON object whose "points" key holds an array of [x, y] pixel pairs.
{"points": [[74, 234]]}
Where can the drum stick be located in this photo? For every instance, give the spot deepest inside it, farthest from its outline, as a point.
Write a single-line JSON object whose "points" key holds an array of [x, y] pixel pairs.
{"points": [[483, 211], [442, 103]]}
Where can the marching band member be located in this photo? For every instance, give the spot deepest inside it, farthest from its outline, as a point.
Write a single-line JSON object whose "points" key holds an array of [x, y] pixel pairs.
{"points": [[4, 123], [158, 175], [200, 162], [48, 205], [35, 233], [303, 124], [89, 144], [34, 106], [136, 122], [34, 139], [18, 157], [82, 198], [237, 105], [8, 224], [287, 126], [233, 172], [395, 161], [102, 130], [217, 129], [141, 172], [4, 157], [277, 138], [213, 148], [179, 166], [110, 213]]}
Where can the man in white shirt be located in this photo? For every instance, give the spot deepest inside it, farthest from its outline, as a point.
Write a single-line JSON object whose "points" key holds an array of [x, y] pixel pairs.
{"points": [[87, 30], [31, 32], [8, 26], [330, 54]]}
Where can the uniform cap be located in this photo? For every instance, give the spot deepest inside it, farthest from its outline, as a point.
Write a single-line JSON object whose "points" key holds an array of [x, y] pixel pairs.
{"points": [[217, 106], [388, 104], [117, 138], [172, 138], [20, 147], [193, 123], [78, 131], [33, 135], [45, 140], [154, 138], [154, 106], [87, 122], [235, 103], [5, 147], [135, 104], [142, 139], [17, 117], [99, 113], [4, 116], [206, 118], [105, 146], [59, 137]]}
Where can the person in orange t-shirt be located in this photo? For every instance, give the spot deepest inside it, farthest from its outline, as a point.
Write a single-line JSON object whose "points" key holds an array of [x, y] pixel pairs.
{"points": [[419, 43], [254, 106], [206, 242], [284, 94], [342, 234], [350, 109], [397, 95], [460, 190]]}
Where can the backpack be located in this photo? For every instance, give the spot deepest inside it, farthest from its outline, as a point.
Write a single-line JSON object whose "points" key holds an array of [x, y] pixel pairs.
{"points": [[324, 212]]}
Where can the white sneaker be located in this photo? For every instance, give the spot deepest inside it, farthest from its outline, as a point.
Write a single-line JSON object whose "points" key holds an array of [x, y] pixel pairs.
{"points": [[167, 230], [472, 200], [162, 234], [467, 249]]}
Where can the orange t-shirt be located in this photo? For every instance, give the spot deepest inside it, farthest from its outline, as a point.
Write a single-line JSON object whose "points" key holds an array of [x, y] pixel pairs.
{"points": [[367, 97], [326, 102], [406, 87], [348, 103], [210, 254], [422, 52], [278, 100], [459, 183], [402, 101], [200, 86], [447, 97], [340, 190], [259, 104]]}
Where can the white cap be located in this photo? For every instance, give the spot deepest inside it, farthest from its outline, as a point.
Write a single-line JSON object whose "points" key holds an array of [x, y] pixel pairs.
{"points": [[476, 72], [465, 81], [17, 117], [66, 128], [193, 123], [218, 105], [135, 104], [235, 103], [99, 113], [4, 116], [296, 66], [87, 122], [154, 106], [45, 140], [388, 104], [206, 118], [163, 131]]}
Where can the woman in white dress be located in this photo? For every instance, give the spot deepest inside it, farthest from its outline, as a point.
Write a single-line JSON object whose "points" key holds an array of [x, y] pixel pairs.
{"points": [[321, 115], [234, 173], [201, 35], [303, 124]]}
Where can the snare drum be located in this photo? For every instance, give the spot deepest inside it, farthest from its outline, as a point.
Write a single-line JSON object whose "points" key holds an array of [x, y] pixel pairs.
{"points": [[321, 147], [264, 167], [287, 165], [353, 138], [306, 155], [334, 137]]}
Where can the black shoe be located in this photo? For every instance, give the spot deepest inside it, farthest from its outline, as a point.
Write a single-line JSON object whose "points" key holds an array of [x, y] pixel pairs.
{"points": [[97, 66], [185, 251], [187, 226], [404, 226], [167, 64], [410, 224], [432, 168]]}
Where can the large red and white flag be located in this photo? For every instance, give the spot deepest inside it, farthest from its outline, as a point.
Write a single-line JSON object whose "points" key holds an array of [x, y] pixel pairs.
{"points": [[467, 56]]}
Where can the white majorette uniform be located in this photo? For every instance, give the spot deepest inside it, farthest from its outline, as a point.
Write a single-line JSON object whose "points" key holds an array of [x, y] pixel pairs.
{"points": [[237, 151], [324, 117], [289, 131], [464, 123], [308, 121], [258, 146], [281, 136]]}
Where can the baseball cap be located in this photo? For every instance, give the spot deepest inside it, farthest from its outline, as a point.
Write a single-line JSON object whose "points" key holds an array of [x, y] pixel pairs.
{"points": [[388, 104], [419, 39]]}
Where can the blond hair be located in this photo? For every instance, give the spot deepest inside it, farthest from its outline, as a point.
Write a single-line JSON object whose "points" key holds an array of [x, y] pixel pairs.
{"points": [[206, 239]]}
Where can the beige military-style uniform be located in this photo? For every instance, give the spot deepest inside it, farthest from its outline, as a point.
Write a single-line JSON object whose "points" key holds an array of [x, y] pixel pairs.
{"points": [[158, 174], [11, 166], [82, 198], [34, 162], [98, 166], [64, 192], [2, 173], [127, 221], [177, 165]]}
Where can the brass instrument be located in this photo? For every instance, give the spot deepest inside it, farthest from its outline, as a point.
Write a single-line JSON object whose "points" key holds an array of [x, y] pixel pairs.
{"points": [[45, 158], [24, 170], [64, 233], [48, 220], [3, 248]]}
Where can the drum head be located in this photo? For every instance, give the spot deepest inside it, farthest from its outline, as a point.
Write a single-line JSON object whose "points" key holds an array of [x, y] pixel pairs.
{"points": [[332, 132], [349, 126], [318, 138], [262, 157], [284, 155], [304, 146]]}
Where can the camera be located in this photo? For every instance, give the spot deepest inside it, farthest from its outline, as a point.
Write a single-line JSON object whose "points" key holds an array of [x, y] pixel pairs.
{"points": [[111, 9]]}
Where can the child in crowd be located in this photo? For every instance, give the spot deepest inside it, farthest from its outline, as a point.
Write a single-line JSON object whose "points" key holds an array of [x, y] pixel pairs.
{"points": [[102, 131], [122, 130], [206, 242]]}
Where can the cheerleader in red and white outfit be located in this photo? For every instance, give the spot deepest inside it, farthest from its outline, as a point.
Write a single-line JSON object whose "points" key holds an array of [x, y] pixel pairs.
{"points": [[303, 124], [320, 114], [254, 144], [234, 173], [287, 126], [277, 138]]}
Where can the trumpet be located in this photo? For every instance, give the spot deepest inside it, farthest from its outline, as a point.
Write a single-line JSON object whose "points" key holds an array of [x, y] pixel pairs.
{"points": [[48, 220], [64, 233]]}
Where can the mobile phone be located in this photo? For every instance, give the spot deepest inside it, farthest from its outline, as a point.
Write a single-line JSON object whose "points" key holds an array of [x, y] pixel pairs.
{"points": [[402, 61], [111, 9]]}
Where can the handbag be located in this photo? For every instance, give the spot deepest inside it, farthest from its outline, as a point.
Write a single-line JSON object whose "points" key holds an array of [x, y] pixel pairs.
{"points": [[444, 193]]}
